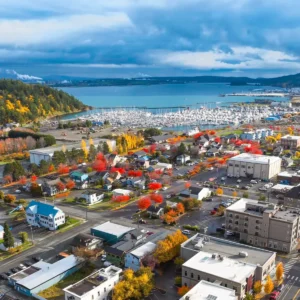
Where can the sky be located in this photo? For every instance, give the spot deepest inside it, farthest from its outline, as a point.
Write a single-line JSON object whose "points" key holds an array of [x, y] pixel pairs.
{"points": [[134, 38]]}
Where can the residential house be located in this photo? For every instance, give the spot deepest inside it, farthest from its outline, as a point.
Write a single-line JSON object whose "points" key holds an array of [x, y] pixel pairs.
{"points": [[286, 162], [182, 159], [158, 139], [140, 154], [291, 177], [198, 193], [42, 275], [155, 211], [49, 187], [212, 151], [278, 150], [97, 286], [83, 240], [133, 259], [256, 134], [81, 179], [1, 232], [44, 215], [112, 177], [121, 192], [113, 159], [137, 182], [92, 197], [141, 162], [290, 142], [96, 176]]}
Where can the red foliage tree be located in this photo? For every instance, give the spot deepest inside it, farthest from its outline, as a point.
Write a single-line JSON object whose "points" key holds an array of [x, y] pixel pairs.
{"points": [[63, 169], [217, 139], [120, 198], [70, 184], [51, 168], [74, 167], [60, 186], [212, 132], [157, 198], [100, 163], [120, 170], [23, 180], [187, 185], [34, 178], [8, 179], [154, 186], [152, 148], [146, 150], [197, 135], [144, 203], [135, 173]]}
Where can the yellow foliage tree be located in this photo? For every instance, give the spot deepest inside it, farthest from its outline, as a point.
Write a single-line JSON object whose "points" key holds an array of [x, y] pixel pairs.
{"points": [[234, 194], [271, 139], [257, 287], [84, 148], [63, 148], [219, 191], [169, 248], [279, 271], [91, 142], [290, 130], [269, 285], [278, 137]]}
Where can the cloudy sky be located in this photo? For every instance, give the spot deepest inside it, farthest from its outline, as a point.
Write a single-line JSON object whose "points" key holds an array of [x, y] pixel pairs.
{"points": [[112, 38]]}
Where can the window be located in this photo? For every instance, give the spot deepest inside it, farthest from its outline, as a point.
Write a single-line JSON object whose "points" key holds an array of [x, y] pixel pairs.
{"points": [[225, 284], [185, 273], [245, 231], [230, 215], [237, 217], [246, 218], [245, 224], [98, 293], [105, 290], [256, 233], [208, 279], [257, 222], [192, 275], [198, 277], [236, 222], [230, 221]]}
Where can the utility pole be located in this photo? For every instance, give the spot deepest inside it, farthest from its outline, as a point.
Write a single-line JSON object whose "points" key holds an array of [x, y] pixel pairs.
{"points": [[32, 241]]}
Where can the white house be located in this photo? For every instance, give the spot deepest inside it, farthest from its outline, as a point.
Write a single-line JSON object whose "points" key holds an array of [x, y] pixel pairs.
{"points": [[96, 286], [121, 192], [164, 165], [192, 131], [198, 193], [44, 215], [182, 159], [92, 197], [1, 232]]}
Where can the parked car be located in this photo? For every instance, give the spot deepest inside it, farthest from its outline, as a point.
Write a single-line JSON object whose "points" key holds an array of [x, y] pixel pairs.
{"points": [[262, 188], [274, 295], [210, 169], [103, 257], [223, 178], [229, 233], [14, 270], [245, 187], [279, 197], [142, 221], [253, 181], [36, 258], [220, 229], [280, 287], [213, 212], [28, 263], [3, 276], [209, 199], [21, 266], [164, 188], [186, 232], [168, 197], [18, 191], [239, 181]]}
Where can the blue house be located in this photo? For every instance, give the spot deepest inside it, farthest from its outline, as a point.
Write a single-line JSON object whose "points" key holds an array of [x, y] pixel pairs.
{"points": [[81, 179], [42, 275]]}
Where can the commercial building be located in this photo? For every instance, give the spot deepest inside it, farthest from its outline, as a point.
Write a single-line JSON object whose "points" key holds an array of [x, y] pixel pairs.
{"points": [[46, 154], [256, 134], [263, 259], [264, 224], [42, 275], [205, 290], [221, 270], [110, 232], [290, 142], [292, 197], [44, 215], [253, 166], [97, 286], [195, 192], [87, 241], [292, 177]]}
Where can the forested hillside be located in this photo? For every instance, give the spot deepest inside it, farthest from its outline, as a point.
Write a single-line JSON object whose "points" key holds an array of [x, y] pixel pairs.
{"points": [[21, 102]]}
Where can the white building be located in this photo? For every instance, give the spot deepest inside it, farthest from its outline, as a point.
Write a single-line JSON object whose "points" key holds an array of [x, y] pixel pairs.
{"points": [[92, 197], [46, 154], [205, 290], [195, 192], [219, 269], [121, 192], [96, 286], [164, 165], [192, 131], [253, 166], [44, 215], [1, 232]]}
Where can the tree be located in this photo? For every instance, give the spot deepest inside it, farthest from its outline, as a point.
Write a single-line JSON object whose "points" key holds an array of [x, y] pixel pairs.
{"points": [[121, 198], [23, 236], [60, 186], [15, 169], [100, 164], [154, 186], [9, 198], [149, 132], [157, 198], [63, 169], [22, 180], [92, 152], [144, 203], [257, 287], [262, 197], [245, 195], [70, 184], [219, 191], [51, 168], [182, 290], [84, 148], [180, 208], [169, 248], [1, 195], [178, 261], [248, 296], [269, 285], [8, 239], [106, 149], [34, 178], [163, 159], [181, 149], [59, 157], [221, 210], [8, 179], [279, 271], [135, 285], [187, 185], [234, 194], [44, 166]]}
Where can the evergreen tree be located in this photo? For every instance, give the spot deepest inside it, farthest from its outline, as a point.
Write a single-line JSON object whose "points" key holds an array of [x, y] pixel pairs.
{"points": [[92, 153], [106, 148], [59, 157], [15, 169], [9, 241], [181, 149]]}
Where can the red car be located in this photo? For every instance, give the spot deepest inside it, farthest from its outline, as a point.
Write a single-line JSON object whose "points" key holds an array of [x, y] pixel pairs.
{"points": [[213, 212], [274, 295]]}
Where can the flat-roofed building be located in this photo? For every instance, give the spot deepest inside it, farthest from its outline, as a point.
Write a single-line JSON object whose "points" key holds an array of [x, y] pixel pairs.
{"points": [[292, 197], [262, 258], [205, 290], [96, 286], [253, 166], [219, 269], [290, 142], [42, 275], [264, 224]]}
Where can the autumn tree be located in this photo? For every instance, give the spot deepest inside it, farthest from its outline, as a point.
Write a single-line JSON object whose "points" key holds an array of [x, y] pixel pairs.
{"points": [[84, 148], [169, 248], [269, 285], [154, 186], [9, 198], [180, 208], [219, 191], [182, 290], [60, 186], [187, 185], [22, 180], [8, 179], [257, 287], [63, 169], [121, 198], [135, 285], [279, 271], [144, 203], [33, 178], [70, 184], [234, 194], [157, 198], [100, 163]]}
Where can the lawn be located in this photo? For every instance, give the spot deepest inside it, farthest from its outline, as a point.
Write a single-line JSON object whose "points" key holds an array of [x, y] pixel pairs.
{"points": [[56, 290], [230, 131], [70, 223], [23, 247]]}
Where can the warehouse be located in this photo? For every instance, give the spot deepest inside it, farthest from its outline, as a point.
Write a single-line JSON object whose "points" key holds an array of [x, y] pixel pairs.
{"points": [[46, 154], [110, 232], [253, 166]]}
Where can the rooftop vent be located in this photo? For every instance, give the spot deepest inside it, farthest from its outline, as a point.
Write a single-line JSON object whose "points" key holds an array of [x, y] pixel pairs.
{"points": [[212, 297]]}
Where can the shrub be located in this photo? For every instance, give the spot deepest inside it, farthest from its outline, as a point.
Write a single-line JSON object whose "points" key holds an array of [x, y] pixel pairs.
{"points": [[191, 227], [9, 198]]}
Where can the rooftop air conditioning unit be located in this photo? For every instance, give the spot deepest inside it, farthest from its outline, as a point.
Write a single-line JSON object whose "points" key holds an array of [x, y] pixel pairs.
{"points": [[243, 254]]}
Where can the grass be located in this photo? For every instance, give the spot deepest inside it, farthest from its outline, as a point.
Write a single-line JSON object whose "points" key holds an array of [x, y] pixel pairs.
{"points": [[230, 131], [56, 290], [23, 247], [70, 223]]}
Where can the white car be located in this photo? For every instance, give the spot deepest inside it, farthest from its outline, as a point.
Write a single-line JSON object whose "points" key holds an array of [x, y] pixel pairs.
{"points": [[18, 191], [253, 181], [103, 258], [164, 188], [168, 197], [223, 178], [210, 169], [186, 232], [239, 181]]}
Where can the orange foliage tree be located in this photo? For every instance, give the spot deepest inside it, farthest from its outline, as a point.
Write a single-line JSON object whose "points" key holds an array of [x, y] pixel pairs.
{"points": [[60, 186], [180, 208], [121, 198], [23, 180], [63, 169], [8, 179], [219, 191], [144, 203], [182, 290], [34, 178], [187, 185], [70, 184], [157, 198]]}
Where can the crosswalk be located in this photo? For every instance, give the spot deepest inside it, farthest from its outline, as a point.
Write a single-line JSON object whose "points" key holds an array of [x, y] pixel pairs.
{"points": [[289, 265]]}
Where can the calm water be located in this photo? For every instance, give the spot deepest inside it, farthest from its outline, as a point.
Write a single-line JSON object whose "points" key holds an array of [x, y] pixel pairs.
{"points": [[167, 95]]}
